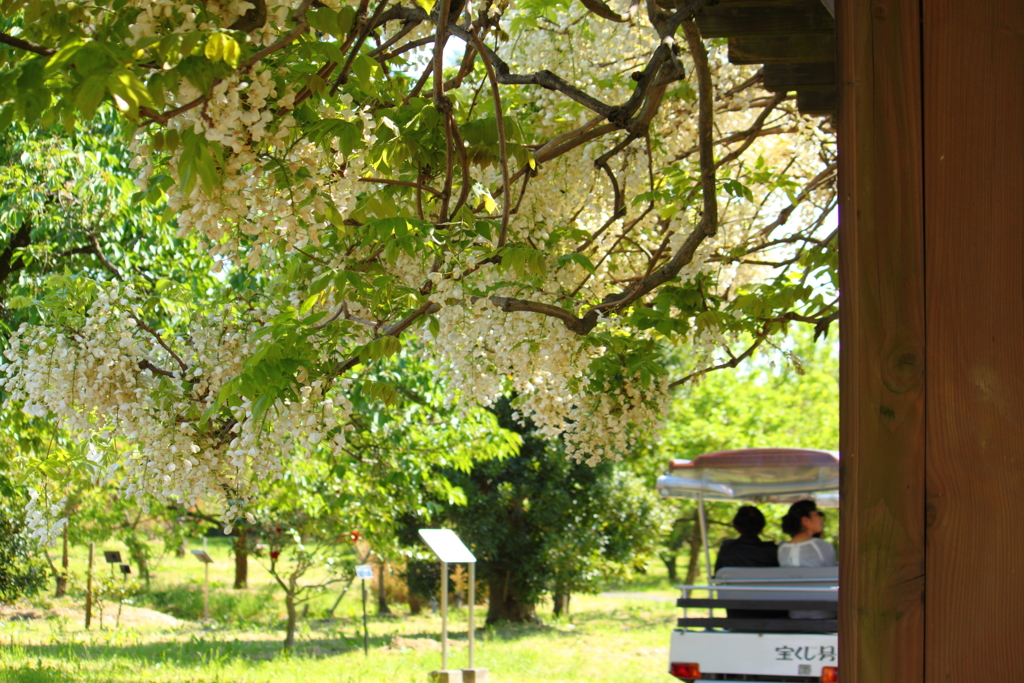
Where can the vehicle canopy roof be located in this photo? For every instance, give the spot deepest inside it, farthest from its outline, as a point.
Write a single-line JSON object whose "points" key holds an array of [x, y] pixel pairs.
{"points": [[759, 475]]}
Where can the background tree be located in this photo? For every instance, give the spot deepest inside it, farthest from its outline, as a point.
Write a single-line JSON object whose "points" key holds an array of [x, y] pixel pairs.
{"points": [[540, 523], [303, 530]]}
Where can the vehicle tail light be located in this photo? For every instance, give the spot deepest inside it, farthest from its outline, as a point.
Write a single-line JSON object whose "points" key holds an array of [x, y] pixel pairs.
{"points": [[687, 671], [830, 674]]}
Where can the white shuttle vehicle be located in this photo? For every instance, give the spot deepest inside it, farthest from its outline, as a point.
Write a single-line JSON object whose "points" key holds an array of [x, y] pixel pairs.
{"points": [[782, 644]]}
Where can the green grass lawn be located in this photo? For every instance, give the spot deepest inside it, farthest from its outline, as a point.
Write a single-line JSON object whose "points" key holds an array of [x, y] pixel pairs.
{"points": [[613, 639]]}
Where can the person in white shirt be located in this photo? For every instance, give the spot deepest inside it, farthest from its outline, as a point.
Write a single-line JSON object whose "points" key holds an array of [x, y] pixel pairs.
{"points": [[804, 523]]}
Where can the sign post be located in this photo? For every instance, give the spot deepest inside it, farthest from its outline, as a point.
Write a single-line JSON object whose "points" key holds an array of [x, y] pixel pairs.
{"points": [[449, 549], [472, 600], [88, 589], [203, 557], [364, 572], [125, 571]]}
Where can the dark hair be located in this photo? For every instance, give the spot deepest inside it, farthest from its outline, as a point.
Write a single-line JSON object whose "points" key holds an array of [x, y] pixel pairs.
{"points": [[748, 520], [792, 523]]}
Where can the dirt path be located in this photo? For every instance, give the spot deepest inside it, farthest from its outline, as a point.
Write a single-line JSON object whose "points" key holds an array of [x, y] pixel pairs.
{"points": [[75, 614]]}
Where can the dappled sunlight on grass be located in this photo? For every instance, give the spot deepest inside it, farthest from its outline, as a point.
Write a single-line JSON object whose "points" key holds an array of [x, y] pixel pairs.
{"points": [[605, 639], [614, 639]]}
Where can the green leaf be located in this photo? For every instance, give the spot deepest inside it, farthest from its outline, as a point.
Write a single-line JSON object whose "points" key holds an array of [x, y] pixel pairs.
{"points": [[380, 391], [578, 259], [19, 301], [346, 20], [363, 68], [324, 20], [214, 49], [383, 347], [64, 55], [90, 94], [308, 304]]}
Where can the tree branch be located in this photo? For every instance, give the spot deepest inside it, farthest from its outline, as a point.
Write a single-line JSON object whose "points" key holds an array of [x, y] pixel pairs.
{"points": [[618, 115], [19, 240], [500, 120], [101, 257], [602, 10], [750, 134], [392, 331], [146, 365], [403, 183], [581, 326], [731, 363], [708, 225], [162, 343], [7, 39]]}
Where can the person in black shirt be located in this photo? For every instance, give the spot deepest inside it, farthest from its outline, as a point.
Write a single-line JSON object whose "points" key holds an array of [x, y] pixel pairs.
{"points": [[749, 551]]}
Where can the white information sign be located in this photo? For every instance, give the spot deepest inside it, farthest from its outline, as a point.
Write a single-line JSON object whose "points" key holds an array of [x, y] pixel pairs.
{"points": [[202, 556], [364, 571], [447, 546]]}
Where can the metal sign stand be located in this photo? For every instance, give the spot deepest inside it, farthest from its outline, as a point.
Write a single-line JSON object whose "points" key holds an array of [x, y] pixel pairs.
{"points": [[472, 601], [444, 615], [364, 572], [125, 571], [203, 557], [450, 550]]}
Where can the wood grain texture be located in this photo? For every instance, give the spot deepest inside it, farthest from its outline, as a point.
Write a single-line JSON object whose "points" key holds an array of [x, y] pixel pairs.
{"points": [[790, 77], [816, 102], [807, 47], [882, 332], [726, 20], [974, 204]]}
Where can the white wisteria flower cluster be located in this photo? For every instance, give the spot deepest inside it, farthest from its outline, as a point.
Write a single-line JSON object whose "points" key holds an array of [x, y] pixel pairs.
{"points": [[141, 396]]}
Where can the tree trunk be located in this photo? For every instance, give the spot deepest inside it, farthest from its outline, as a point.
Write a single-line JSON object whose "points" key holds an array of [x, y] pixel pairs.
{"points": [[561, 604], [138, 555], [695, 546], [241, 560], [416, 604], [671, 565], [62, 576], [289, 638], [382, 598], [506, 602]]}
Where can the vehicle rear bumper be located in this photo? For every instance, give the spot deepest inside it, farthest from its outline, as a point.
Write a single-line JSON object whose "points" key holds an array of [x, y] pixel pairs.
{"points": [[767, 657]]}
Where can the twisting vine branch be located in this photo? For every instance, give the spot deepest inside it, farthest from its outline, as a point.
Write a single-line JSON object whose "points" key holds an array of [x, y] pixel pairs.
{"points": [[500, 120]]}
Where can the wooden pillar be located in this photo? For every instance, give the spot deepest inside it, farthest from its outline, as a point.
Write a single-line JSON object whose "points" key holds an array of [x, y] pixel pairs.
{"points": [[932, 265], [882, 332], [973, 70]]}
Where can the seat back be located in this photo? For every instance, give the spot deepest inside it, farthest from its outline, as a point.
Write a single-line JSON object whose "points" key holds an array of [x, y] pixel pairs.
{"points": [[770, 583]]}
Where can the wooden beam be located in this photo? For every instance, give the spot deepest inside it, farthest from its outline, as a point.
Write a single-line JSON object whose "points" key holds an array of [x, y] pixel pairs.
{"points": [[790, 77], [808, 47], [816, 102], [726, 20], [974, 204], [882, 343]]}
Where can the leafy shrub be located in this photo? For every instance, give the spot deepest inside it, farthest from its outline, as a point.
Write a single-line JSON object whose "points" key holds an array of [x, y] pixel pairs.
{"points": [[185, 601], [22, 572]]}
